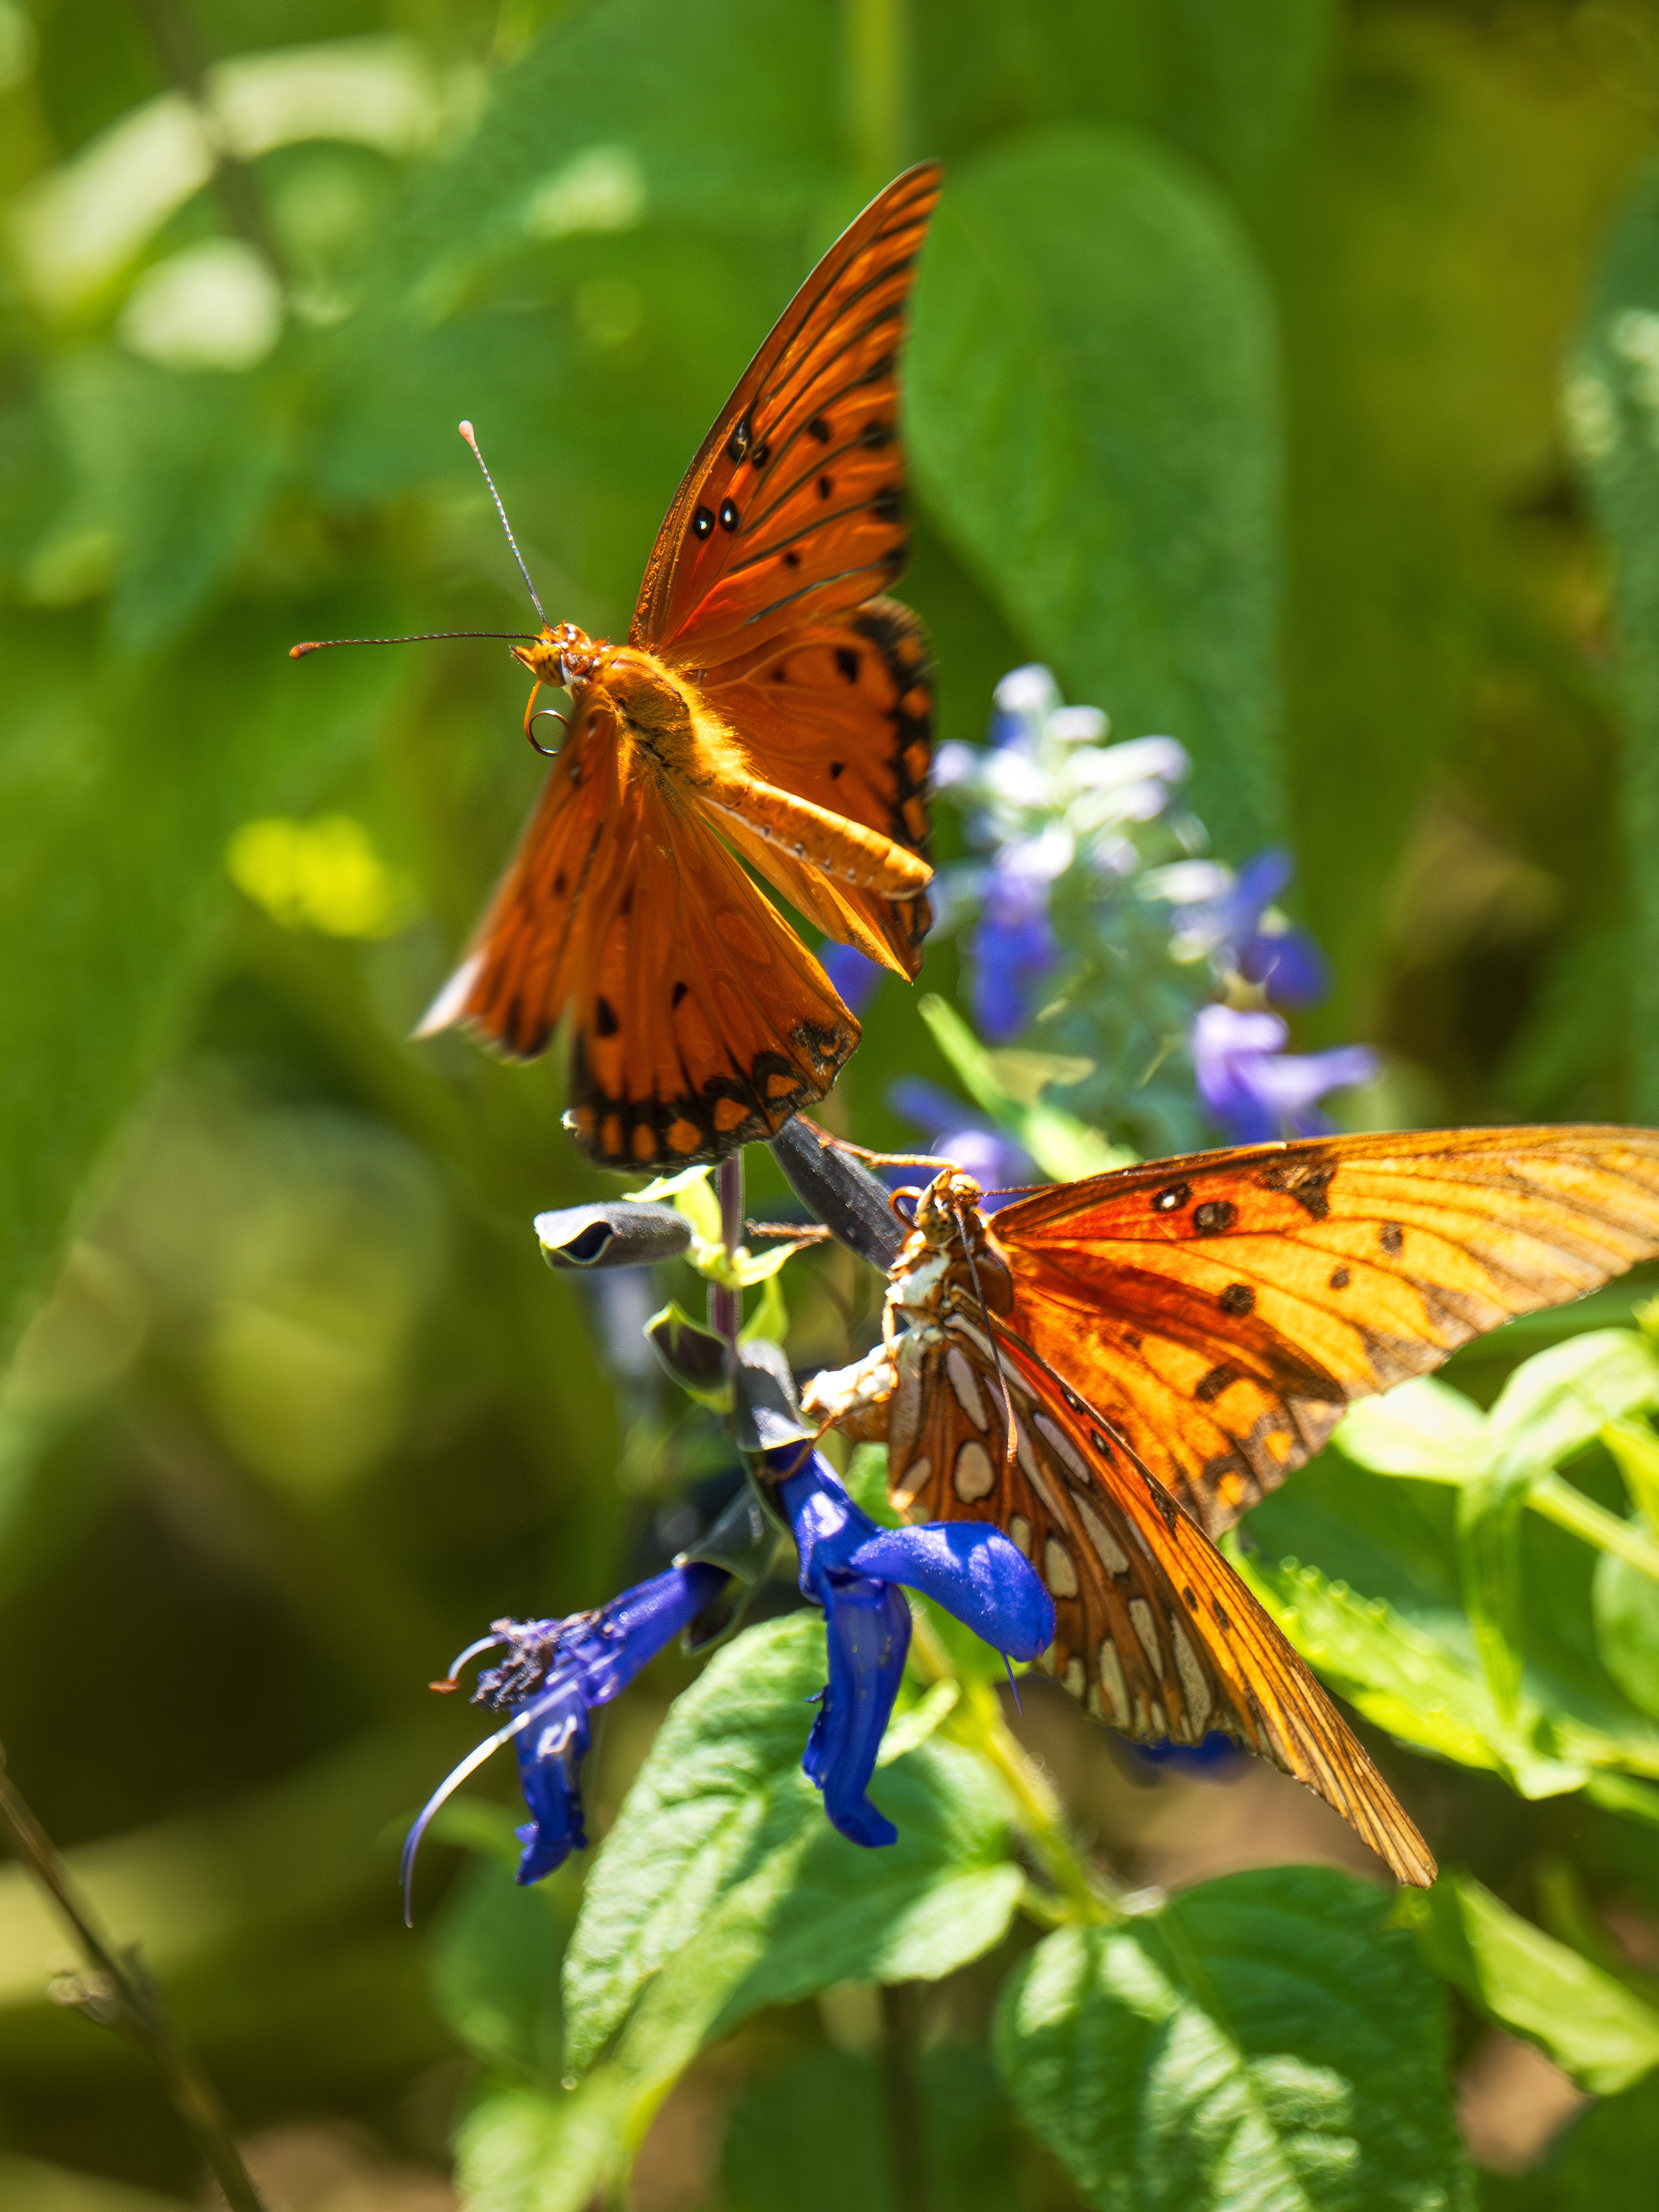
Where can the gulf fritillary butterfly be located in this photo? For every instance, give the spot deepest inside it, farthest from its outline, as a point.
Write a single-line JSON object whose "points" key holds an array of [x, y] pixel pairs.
{"points": [[1168, 1341], [766, 708]]}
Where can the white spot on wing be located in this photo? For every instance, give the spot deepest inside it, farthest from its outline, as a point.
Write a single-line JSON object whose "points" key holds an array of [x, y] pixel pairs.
{"points": [[1147, 1629], [1111, 1680], [1063, 1450], [1194, 1688], [966, 1387], [973, 1477], [1112, 1557], [1057, 1569]]}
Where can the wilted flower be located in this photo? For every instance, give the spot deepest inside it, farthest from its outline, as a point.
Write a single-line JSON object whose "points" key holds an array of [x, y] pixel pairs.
{"points": [[853, 1568], [1254, 1089], [553, 1675]]}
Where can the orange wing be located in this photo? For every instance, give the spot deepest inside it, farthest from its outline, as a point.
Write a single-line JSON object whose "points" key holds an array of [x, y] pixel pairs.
{"points": [[1154, 1631], [1220, 1310], [701, 1021], [840, 711], [793, 509]]}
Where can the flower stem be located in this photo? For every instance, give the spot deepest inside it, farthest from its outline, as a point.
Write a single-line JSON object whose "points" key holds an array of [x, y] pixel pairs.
{"points": [[901, 2093], [120, 1994], [726, 1304], [874, 36], [976, 1720]]}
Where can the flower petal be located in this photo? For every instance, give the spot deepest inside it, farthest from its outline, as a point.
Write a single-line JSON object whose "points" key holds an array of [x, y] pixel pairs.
{"points": [[867, 1626], [974, 1572]]}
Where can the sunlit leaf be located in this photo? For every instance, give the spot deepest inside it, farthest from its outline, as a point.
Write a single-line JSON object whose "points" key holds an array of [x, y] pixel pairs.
{"points": [[1263, 2040], [1093, 401]]}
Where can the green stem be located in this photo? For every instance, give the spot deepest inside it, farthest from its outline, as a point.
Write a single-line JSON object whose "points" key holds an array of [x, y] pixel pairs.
{"points": [[1557, 1501], [874, 36], [976, 1721], [120, 1994]]}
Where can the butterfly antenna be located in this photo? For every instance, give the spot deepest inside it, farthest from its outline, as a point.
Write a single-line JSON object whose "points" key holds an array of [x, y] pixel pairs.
{"points": [[421, 637], [466, 432], [1011, 1449]]}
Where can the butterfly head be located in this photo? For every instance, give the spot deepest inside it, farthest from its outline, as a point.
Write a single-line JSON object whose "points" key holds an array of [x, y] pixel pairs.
{"points": [[562, 656], [948, 1204]]}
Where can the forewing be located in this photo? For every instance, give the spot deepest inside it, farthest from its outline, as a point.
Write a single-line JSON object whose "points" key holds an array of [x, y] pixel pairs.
{"points": [[1220, 1310], [1154, 1632], [840, 712], [793, 509], [699, 1020]]}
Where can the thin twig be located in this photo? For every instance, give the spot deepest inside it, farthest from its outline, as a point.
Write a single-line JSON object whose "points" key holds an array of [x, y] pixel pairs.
{"points": [[795, 1230], [120, 1993], [724, 1305], [901, 2093]]}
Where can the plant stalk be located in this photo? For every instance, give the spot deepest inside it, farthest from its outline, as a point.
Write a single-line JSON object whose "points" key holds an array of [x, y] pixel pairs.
{"points": [[121, 1993], [724, 1305]]}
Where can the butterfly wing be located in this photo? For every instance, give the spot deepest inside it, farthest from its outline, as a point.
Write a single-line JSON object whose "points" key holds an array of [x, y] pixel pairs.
{"points": [[1220, 1310], [1154, 1631], [840, 712], [700, 1020], [793, 509]]}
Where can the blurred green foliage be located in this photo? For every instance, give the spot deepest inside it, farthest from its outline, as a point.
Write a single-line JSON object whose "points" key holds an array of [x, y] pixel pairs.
{"points": [[1235, 395]]}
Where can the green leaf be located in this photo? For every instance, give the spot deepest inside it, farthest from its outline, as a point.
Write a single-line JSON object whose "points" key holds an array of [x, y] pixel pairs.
{"points": [[1264, 2041], [1061, 1146], [723, 1877], [1559, 1401], [493, 1964], [1626, 1603], [1594, 2029], [1635, 1448], [112, 874], [1093, 405], [1425, 1428], [520, 2149], [1611, 403]]}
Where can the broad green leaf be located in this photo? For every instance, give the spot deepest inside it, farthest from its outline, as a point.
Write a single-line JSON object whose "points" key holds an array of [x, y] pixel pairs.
{"points": [[815, 2129], [1425, 1428], [493, 1962], [522, 2149], [1489, 1508], [1093, 405], [114, 877], [723, 1876], [1594, 2029], [1611, 405], [1559, 1401], [1264, 2043]]}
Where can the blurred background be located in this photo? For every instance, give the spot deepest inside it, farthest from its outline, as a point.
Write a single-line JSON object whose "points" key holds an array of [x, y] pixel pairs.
{"points": [[1333, 314]]}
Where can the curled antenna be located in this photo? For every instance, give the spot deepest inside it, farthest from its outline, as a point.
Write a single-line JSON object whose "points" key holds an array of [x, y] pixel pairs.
{"points": [[421, 637], [466, 432]]}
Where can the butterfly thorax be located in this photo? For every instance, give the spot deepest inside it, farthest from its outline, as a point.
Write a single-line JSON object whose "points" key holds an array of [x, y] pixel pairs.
{"points": [[659, 711], [949, 1264]]}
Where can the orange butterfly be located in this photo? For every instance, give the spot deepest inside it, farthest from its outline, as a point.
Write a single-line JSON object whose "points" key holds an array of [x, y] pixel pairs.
{"points": [[1168, 1341], [767, 709]]}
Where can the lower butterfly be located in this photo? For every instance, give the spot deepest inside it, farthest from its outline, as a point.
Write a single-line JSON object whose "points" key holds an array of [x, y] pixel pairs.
{"points": [[1114, 1370]]}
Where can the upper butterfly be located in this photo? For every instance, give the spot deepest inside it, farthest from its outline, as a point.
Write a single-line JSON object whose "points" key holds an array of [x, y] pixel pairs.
{"points": [[768, 708]]}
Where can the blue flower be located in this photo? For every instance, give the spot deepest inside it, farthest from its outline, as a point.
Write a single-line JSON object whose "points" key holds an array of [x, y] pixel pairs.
{"points": [[956, 1133], [1012, 947], [554, 1673], [1254, 1089], [853, 1568], [1228, 926], [853, 973]]}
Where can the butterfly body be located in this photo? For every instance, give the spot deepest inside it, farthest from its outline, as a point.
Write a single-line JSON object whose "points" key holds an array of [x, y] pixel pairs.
{"points": [[769, 716]]}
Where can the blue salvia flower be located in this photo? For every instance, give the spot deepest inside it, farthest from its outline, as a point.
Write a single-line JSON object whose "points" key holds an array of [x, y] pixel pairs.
{"points": [[1012, 947], [1232, 923], [555, 1673], [858, 1571], [956, 1133], [853, 973], [1254, 1089]]}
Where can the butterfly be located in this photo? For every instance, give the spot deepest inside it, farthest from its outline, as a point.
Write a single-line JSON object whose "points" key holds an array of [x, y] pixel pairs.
{"points": [[770, 707], [1114, 1370]]}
